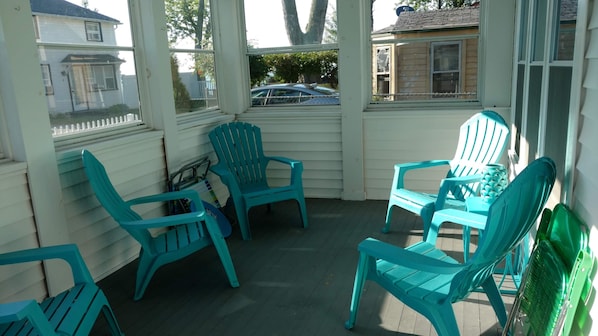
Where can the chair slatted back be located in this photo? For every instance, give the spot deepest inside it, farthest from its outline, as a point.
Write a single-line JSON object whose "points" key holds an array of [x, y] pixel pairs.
{"points": [[109, 197], [239, 145], [482, 140], [510, 218]]}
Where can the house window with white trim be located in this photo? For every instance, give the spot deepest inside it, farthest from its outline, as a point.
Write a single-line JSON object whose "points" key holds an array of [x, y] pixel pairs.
{"points": [[93, 30], [47, 79], [189, 27], [446, 69], [35, 27], [103, 77]]}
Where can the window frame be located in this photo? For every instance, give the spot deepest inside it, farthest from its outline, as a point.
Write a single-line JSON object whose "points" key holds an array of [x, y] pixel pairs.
{"points": [[433, 71], [289, 49], [93, 76], [47, 79], [36, 27], [140, 119], [387, 38], [90, 34]]}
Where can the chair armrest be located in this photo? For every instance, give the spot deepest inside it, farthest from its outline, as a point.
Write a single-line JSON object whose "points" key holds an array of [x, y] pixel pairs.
{"points": [[227, 178], [459, 217], [165, 221], [400, 256], [296, 167], [29, 309], [15, 311], [447, 183], [291, 162], [165, 197], [402, 168], [69, 253]]}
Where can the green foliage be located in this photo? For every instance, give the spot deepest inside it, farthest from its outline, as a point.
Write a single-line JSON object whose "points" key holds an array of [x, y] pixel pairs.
{"points": [[306, 67], [189, 19], [331, 28], [258, 69], [436, 4], [182, 100]]}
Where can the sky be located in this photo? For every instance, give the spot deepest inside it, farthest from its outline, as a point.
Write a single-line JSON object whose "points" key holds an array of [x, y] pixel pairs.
{"points": [[271, 32], [261, 33]]}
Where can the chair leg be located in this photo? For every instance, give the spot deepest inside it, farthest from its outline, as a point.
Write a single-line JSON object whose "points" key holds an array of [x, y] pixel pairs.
{"points": [[443, 319], [386, 227], [111, 320], [495, 300], [145, 271], [426, 213], [244, 224], [360, 278], [222, 249], [303, 211]]}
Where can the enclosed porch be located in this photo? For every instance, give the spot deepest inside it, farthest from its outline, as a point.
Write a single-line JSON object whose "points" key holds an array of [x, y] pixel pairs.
{"points": [[294, 281]]}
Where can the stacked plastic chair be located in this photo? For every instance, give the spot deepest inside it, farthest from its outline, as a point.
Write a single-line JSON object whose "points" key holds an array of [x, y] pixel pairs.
{"points": [[557, 281]]}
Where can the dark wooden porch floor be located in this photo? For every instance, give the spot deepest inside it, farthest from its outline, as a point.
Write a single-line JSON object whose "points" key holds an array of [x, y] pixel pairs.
{"points": [[294, 281]]}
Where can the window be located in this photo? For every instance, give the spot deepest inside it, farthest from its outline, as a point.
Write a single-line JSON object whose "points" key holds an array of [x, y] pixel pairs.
{"points": [[446, 68], [103, 77], [93, 30], [47, 78], [35, 27], [89, 87], [422, 53], [383, 71], [282, 52], [192, 55]]}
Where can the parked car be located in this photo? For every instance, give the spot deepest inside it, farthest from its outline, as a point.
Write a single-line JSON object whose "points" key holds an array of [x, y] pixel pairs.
{"points": [[302, 94]]}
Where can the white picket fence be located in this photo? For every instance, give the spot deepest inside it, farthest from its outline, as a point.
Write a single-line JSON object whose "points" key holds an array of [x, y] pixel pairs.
{"points": [[129, 118]]}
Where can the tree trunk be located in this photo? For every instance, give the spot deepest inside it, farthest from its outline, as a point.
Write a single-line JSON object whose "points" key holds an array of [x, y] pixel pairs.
{"points": [[315, 26], [201, 12]]}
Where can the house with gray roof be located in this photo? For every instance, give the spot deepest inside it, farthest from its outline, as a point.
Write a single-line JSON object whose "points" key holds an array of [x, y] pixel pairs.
{"points": [[80, 79], [433, 54], [427, 55]]}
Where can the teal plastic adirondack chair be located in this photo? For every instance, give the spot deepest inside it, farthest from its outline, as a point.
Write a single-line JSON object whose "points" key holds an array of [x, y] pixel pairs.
{"points": [[183, 234], [482, 140], [242, 168], [72, 312], [558, 279], [429, 281]]}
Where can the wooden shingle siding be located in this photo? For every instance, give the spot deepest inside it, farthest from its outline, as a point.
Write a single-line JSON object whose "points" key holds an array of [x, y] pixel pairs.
{"points": [[470, 69], [18, 231], [414, 68]]}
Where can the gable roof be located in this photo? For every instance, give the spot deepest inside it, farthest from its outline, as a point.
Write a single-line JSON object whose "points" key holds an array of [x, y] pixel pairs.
{"points": [[65, 8], [460, 17]]}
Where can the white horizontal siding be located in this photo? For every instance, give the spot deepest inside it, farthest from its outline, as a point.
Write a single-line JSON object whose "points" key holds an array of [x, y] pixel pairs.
{"points": [[391, 138], [136, 166], [313, 138], [17, 232], [585, 191], [194, 143]]}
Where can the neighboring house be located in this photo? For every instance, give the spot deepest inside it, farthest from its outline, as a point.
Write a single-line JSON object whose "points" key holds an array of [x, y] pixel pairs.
{"points": [[429, 54], [77, 79]]}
